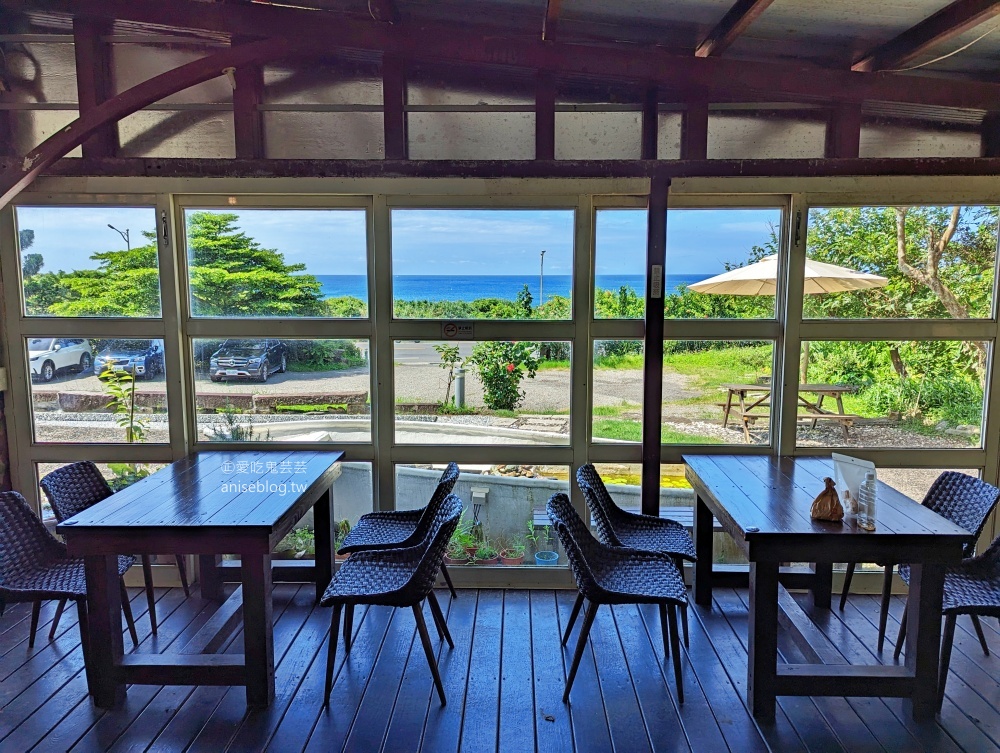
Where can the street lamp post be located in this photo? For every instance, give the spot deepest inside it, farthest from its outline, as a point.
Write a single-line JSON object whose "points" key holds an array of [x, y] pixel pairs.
{"points": [[541, 279], [124, 236]]}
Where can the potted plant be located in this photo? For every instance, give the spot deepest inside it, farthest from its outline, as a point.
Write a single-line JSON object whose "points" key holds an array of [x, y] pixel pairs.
{"points": [[343, 528], [542, 539], [486, 554], [512, 551], [456, 554]]}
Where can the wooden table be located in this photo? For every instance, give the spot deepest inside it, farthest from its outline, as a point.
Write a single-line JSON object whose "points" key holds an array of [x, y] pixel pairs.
{"points": [[763, 503], [209, 503], [749, 397]]}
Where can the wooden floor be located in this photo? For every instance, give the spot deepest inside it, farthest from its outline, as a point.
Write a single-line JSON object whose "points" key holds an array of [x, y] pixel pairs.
{"points": [[504, 681]]}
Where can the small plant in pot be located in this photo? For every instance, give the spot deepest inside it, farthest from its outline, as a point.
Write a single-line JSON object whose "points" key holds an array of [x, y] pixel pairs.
{"points": [[343, 528], [486, 554], [456, 554], [512, 551], [542, 539]]}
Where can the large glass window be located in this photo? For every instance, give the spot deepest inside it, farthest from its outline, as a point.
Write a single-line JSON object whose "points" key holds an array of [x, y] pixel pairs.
{"points": [[903, 262], [482, 263], [277, 262], [98, 389], [88, 261], [282, 390]]}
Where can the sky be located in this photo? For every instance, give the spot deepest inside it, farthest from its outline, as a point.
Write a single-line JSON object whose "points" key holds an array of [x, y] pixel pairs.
{"points": [[429, 242]]}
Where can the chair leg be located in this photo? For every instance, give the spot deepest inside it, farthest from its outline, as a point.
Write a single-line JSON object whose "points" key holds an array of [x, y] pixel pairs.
{"points": [[36, 607], [946, 641], [684, 624], [82, 619], [902, 634], [883, 615], [447, 579], [675, 645], [147, 578], [348, 626], [572, 617], [182, 572], [418, 615], [588, 620], [848, 577], [331, 654], [442, 624], [664, 631], [979, 632], [127, 609], [55, 620]]}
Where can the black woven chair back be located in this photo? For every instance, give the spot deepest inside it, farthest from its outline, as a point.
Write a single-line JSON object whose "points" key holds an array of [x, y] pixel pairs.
{"points": [[965, 500], [444, 487], [602, 507], [443, 522], [73, 488], [25, 543], [581, 547]]}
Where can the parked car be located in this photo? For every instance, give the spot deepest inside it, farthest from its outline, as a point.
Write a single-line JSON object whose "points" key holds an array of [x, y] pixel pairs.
{"points": [[143, 359], [47, 355], [248, 359]]}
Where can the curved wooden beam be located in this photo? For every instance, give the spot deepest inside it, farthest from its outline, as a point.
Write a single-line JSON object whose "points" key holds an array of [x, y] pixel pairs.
{"points": [[19, 177]]}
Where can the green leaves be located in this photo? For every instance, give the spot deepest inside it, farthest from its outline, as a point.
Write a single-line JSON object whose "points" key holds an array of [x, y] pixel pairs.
{"points": [[500, 367]]}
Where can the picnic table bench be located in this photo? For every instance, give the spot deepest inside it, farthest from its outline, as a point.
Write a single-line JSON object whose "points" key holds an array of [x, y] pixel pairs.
{"points": [[744, 400]]}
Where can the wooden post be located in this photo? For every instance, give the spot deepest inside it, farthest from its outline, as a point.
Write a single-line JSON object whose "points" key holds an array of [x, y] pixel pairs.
{"points": [[545, 118], [323, 528], [762, 639], [394, 108], [991, 135], [258, 631], [656, 256], [104, 623], [93, 82], [248, 120], [694, 131], [650, 122], [843, 131]]}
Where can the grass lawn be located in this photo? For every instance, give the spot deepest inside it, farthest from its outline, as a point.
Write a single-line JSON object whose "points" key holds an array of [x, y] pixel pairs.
{"points": [[631, 431]]}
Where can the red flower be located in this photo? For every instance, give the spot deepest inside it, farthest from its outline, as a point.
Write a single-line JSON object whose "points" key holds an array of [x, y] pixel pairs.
{"points": [[510, 367]]}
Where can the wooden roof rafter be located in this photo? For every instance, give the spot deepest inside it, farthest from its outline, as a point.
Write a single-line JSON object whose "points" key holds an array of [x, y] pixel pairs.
{"points": [[946, 24], [734, 23], [551, 21]]}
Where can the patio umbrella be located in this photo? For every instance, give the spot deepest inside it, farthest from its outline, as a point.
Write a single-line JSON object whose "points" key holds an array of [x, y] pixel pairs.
{"points": [[761, 277]]}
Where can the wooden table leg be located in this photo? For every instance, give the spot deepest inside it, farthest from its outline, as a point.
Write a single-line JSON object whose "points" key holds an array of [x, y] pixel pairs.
{"points": [[104, 626], [822, 584], [762, 664], [923, 636], [728, 407], [258, 634], [209, 576], [703, 536], [323, 526]]}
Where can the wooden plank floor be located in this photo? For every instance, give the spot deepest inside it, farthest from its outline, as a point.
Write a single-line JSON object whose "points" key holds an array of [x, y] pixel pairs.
{"points": [[504, 681]]}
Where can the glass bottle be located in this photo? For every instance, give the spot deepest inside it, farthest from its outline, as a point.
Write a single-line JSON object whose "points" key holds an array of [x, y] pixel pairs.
{"points": [[866, 503]]}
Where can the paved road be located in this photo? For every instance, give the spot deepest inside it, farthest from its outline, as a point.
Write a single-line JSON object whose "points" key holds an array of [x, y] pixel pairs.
{"points": [[408, 351]]}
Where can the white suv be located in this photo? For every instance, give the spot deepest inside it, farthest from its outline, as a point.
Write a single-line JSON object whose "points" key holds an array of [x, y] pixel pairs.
{"points": [[47, 355]]}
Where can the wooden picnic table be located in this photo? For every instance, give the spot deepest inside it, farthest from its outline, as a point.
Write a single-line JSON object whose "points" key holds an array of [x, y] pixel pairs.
{"points": [[749, 397], [763, 503], [209, 503]]}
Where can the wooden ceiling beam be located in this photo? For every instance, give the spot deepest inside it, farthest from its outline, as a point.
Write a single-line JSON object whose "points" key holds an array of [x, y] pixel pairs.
{"points": [[734, 23], [934, 30], [384, 11], [551, 20], [321, 34]]}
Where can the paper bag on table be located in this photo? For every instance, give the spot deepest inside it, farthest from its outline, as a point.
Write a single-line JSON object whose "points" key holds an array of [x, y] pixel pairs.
{"points": [[827, 505]]}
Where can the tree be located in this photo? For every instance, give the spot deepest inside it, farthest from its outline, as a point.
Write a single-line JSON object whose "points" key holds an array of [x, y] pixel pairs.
{"points": [[524, 301], [31, 265]]}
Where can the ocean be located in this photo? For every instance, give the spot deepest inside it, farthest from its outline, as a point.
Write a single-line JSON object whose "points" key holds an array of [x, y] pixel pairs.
{"points": [[471, 287]]}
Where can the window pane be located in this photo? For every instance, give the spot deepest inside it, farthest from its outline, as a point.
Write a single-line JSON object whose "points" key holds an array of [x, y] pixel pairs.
{"points": [[482, 263], [89, 261], [617, 391], [482, 393], [504, 510], [278, 262], [620, 264], [705, 247], [97, 390], [962, 239], [926, 394], [282, 390]]}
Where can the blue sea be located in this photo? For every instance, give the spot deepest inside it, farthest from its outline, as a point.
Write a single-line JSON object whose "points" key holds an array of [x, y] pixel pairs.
{"points": [[471, 287]]}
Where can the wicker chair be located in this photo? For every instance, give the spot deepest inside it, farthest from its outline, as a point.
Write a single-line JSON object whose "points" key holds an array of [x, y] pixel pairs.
{"points": [[78, 486], [616, 575], [401, 577], [965, 501], [972, 588], [400, 528], [618, 527], [34, 566]]}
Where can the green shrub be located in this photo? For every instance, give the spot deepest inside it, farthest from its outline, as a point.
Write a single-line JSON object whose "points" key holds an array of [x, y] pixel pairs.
{"points": [[501, 366]]}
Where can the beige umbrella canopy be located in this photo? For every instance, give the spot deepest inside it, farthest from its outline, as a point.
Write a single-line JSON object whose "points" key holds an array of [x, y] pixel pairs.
{"points": [[760, 278]]}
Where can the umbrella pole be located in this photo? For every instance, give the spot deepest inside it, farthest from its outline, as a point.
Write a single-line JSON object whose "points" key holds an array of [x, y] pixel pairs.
{"points": [[804, 366]]}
